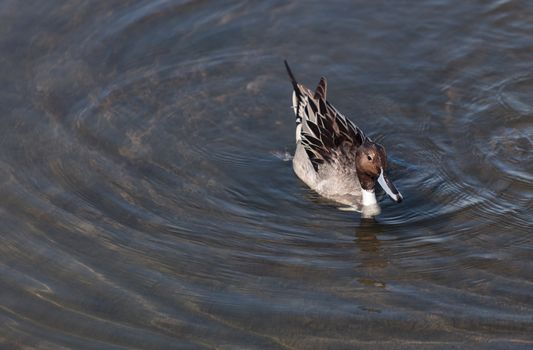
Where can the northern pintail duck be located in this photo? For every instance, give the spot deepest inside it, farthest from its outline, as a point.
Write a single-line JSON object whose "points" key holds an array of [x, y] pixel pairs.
{"points": [[333, 156]]}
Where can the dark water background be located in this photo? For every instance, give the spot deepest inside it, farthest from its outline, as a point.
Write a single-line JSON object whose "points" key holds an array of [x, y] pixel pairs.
{"points": [[145, 202]]}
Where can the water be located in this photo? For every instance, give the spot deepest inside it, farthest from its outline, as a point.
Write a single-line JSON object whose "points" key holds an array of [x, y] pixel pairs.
{"points": [[148, 202]]}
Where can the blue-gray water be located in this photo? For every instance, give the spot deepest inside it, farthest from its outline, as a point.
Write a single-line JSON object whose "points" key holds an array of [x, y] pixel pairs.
{"points": [[146, 200]]}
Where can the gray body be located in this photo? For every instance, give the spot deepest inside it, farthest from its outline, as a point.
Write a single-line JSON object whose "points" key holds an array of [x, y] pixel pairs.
{"points": [[335, 181]]}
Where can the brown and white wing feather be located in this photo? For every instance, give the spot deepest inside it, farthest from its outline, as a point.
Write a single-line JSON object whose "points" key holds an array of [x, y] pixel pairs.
{"points": [[324, 132]]}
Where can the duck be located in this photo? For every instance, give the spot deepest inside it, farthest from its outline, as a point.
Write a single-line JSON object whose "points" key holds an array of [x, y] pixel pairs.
{"points": [[333, 156]]}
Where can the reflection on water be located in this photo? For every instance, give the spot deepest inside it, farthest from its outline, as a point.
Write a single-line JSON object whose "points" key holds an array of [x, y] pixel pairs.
{"points": [[148, 199], [368, 243], [369, 254]]}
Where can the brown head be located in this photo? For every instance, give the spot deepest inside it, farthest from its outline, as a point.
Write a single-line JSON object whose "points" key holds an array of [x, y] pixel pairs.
{"points": [[371, 166]]}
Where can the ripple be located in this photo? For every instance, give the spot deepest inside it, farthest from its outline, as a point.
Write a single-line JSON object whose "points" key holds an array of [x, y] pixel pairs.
{"points": [[148, 198], [514, 93]]}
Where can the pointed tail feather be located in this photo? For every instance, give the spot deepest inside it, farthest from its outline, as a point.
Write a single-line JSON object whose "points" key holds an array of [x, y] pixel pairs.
{"points": [[293, 79], [296, 99]]}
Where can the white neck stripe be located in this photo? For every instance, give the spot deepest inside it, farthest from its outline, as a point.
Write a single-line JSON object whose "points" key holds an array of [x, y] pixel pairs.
{"points": [[369, 197]]}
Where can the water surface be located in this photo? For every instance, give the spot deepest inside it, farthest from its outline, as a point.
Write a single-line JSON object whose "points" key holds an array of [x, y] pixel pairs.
{"points": [[147, 200]]}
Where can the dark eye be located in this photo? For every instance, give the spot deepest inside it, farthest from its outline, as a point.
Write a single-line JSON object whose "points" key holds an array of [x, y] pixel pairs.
{"points": [[368, 157]]}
